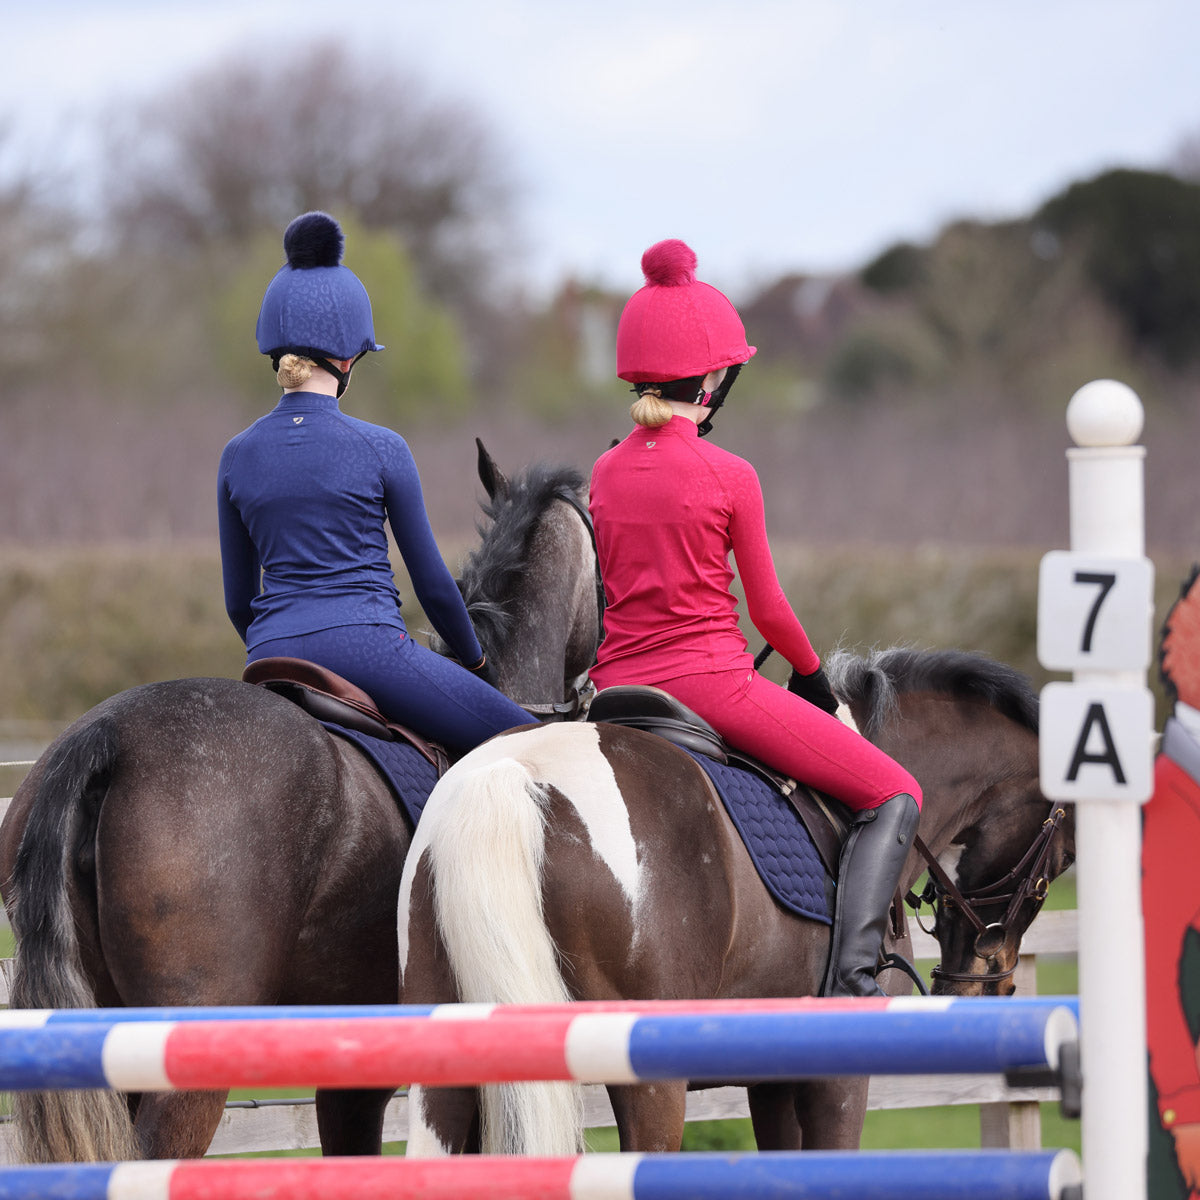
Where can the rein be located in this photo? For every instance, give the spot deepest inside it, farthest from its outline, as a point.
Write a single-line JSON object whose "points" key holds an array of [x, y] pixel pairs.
{"points": [[1025, 884], [575, 703]]}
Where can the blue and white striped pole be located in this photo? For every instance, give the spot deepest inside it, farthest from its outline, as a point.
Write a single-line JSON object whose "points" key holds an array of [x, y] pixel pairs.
{"points": [[895, 1175], [478, 1048]]}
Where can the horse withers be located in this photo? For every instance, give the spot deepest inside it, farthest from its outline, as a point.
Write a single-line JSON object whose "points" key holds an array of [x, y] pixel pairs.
{"points": [[206, 842], [595, 862]]}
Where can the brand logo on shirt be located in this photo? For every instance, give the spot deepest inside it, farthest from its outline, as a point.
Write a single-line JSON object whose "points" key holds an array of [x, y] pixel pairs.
{"points": [[651, 445], [297, 420]]}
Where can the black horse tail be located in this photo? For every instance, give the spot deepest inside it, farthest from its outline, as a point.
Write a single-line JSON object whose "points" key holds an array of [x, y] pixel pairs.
{"points": [[56, 857]]}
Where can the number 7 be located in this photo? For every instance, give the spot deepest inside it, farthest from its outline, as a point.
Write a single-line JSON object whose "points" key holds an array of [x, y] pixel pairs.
{"points": [[1105, 582]]}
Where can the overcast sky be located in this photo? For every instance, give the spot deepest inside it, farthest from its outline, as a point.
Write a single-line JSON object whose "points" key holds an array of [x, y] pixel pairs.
{"points": [[773, 135]]}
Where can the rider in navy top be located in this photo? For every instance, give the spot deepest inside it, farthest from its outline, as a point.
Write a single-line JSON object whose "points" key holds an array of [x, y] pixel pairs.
{"points": [[305, 496]]}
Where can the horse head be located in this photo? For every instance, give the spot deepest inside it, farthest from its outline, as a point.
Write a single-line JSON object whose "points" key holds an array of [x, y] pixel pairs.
{"points": [[992, 843], [982, 913], [532, 588]]}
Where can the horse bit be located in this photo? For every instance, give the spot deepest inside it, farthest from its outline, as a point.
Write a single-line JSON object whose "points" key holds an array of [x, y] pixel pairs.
{"points": [[569, 709], [1025, 884]]}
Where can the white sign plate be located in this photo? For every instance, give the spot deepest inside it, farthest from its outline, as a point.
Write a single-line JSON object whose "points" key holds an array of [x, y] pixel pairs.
{"points": [[1094, 613], [1096, 742]]}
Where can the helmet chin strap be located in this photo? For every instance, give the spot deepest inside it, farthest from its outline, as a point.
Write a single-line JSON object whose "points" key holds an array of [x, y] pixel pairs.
{"points": [[716, 398], [682, 391], [692, 391], [342, 377]]}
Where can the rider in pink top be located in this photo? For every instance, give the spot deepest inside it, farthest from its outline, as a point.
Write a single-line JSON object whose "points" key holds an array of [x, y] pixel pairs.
{"points": [[669, 509]]}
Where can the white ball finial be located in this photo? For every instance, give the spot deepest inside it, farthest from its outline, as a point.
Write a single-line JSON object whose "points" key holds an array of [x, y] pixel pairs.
{"points": [[1105, 412]]}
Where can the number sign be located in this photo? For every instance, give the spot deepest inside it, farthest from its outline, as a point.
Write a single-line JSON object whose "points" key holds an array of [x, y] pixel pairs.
{"points": [[1095, 742], [1094, 613]]}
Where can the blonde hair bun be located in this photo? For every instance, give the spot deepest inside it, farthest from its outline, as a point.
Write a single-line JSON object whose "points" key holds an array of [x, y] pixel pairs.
{"points": [[650, 409], [294, 370]]}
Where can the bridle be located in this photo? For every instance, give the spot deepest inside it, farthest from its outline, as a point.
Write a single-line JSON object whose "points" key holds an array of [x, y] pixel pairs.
{"points": [[1026, 884], [576, 702]]}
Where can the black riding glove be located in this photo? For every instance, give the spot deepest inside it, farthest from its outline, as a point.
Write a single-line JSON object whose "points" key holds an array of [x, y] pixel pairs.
{"points": [[815, 689], [483, 669]]}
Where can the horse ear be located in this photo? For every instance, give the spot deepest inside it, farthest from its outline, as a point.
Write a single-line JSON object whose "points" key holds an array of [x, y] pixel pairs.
{"points": [[493, 479]]}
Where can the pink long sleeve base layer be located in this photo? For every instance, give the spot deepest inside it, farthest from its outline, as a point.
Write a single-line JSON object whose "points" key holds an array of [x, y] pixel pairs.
{"points": [[669, 511]]}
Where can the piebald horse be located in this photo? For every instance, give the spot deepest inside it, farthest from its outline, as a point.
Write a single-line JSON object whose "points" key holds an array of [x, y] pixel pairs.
{"points": [[595, 862]]}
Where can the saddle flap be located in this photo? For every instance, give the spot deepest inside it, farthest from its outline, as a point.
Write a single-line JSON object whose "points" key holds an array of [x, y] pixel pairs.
{"points": [[329, 697], [655, 711], [826, 820]]}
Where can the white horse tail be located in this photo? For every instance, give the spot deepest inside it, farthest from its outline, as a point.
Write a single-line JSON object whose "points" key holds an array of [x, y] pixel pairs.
{"points": [[486, 843]]}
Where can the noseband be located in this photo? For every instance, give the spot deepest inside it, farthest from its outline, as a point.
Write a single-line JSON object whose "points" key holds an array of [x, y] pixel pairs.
{"points": [[570, 708], [1025, 884]]}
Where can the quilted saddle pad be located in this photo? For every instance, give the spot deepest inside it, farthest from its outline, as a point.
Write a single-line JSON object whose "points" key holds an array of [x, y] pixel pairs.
{"points": [[408, 772], [776, 839]]}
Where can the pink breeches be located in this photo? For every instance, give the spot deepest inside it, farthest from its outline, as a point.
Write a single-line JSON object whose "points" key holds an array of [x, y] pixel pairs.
{"points": [[767, 722]]}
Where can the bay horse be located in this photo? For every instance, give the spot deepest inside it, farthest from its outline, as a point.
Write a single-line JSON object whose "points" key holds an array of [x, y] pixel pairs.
{"points": [[595, 862], [205, 841]]}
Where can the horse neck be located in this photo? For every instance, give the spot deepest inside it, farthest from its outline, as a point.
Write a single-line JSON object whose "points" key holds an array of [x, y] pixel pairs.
{"points": [[554, 627], [975, 765]]}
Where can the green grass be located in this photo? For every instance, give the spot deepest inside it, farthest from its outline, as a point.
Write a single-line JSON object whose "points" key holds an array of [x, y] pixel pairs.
{"points": [[950, 1127]]}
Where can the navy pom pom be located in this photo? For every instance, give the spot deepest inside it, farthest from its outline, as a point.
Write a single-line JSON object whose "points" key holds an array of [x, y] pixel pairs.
{"points": [[313, 240]]}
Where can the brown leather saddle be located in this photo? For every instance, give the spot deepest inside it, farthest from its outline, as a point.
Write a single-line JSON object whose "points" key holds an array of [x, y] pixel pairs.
{"points": [[328, 697], [655, 711]]}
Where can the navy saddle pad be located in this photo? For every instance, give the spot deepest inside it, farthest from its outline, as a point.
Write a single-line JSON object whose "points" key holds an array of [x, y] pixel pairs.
{"points": [[408, 772], [775, 837]]}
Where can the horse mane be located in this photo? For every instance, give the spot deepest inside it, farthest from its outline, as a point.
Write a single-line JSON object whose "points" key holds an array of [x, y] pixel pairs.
{"points": [[873, 684], [489, 573]]}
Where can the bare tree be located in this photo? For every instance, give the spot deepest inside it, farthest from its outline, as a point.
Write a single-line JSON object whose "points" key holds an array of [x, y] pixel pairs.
{"points": [[245, 146], [35, 246]]}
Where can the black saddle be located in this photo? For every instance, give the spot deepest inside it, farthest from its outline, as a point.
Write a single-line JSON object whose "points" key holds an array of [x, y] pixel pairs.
{"points": [[655, 711]]}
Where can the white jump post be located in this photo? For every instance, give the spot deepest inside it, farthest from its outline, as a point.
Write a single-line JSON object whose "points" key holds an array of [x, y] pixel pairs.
{"points": [[1095, 612]]}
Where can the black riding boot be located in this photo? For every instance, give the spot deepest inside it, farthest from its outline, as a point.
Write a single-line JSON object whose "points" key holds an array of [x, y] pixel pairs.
{"points": [[869, 872]]}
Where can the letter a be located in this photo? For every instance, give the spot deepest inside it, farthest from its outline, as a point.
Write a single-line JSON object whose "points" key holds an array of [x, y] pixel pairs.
{"points": [[1095, 718]]}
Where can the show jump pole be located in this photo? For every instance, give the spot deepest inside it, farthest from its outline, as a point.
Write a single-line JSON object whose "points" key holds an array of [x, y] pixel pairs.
{"points": [[1095, 612]]}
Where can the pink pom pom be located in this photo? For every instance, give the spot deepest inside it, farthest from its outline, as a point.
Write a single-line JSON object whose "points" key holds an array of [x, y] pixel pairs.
{"points": [[669, 264]]}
